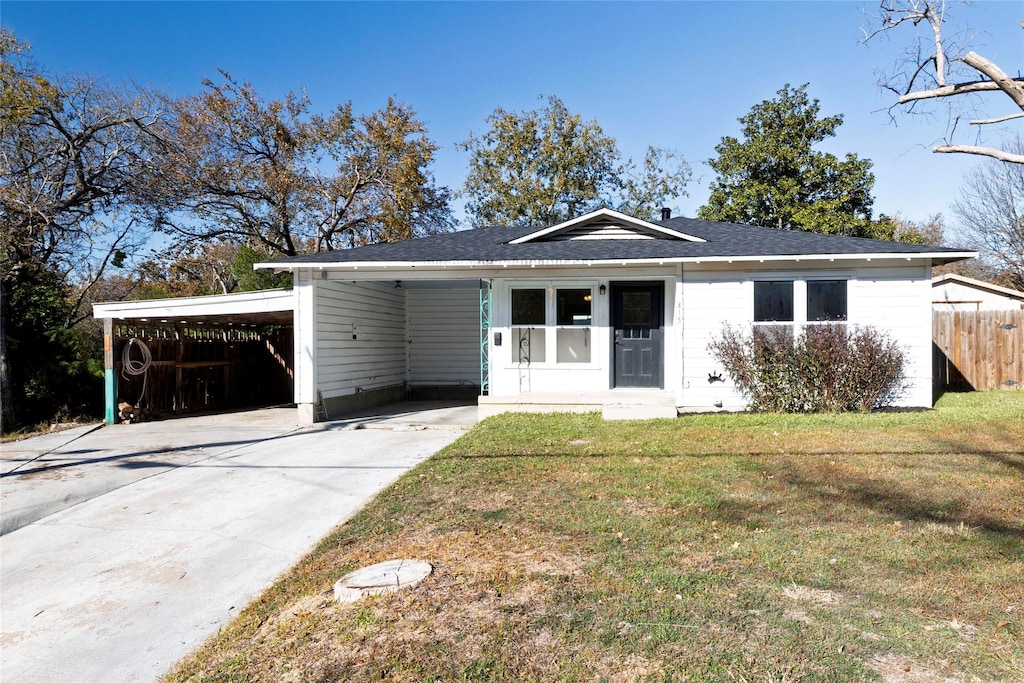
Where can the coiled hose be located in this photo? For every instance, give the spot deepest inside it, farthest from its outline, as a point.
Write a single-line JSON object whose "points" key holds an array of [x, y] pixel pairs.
{"points": [[133, 368]]}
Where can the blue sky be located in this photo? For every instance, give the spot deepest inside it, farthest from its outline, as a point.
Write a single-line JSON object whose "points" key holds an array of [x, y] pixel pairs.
{"points": [[673, 74]]}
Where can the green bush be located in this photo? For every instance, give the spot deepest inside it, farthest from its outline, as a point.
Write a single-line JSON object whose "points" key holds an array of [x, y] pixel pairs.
{"points": [[826, 368]]}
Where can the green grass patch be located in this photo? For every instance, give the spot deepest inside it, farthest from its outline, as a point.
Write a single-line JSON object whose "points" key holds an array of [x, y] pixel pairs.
{"points": [[885, 546]]}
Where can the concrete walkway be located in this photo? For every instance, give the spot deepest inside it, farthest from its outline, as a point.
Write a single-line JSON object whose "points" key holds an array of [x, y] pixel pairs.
{"points": [[129, 545]]}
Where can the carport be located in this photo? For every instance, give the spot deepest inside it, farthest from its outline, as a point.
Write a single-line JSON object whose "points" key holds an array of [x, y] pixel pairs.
{"points": [[172, 357]]}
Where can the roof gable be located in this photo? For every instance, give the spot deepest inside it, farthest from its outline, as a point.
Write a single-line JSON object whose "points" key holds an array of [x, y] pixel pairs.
{"points": [[604, 224]]}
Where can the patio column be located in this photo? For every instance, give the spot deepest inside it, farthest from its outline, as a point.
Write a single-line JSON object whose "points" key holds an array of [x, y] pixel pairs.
{"points": [[305, 345], [109, 379]]}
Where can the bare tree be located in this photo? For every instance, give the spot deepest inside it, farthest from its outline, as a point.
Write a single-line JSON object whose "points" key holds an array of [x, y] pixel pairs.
{"points": [[991, 210], [271, 176], [937, 66]]}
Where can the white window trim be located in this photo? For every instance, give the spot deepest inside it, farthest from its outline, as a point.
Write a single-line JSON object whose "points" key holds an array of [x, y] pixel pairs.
{"points": [[550, 317], [800, 281]]}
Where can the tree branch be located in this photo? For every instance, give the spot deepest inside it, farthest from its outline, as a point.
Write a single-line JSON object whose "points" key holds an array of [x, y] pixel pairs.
{"points": [[983, 122], [1014, 87], [955, 89], [981, 151]]}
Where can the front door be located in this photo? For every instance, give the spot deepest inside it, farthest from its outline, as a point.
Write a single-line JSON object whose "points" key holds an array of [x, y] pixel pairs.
{"points": [[637, 314]]}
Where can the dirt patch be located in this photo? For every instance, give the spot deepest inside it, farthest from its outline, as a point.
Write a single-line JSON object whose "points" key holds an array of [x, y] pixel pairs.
{"points": [[815, 596], [894, 669]]}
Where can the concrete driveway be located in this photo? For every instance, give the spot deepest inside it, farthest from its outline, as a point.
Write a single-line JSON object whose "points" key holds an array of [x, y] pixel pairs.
{"points": [[124, 547]]}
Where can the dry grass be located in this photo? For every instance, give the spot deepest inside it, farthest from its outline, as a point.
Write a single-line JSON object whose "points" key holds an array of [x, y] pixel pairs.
{"points": [[734, 548]]}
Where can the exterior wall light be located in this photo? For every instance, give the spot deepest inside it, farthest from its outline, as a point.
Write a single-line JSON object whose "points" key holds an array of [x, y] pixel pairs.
{"points": [[601, 290]]}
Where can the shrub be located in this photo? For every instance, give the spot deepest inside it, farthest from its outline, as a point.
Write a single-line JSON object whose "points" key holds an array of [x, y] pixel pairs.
{"points": [[825, 368]]}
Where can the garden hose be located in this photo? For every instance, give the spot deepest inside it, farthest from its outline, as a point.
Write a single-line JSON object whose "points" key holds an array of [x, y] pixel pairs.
{"points": [[133, 368]]}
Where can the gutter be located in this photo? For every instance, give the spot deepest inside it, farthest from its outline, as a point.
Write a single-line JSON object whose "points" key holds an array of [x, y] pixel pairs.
{"points": [[944, 257]]}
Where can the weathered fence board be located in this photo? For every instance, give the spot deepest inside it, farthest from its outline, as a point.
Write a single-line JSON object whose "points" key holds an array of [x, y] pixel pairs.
{"points": [[978, 350], [199, 370]]}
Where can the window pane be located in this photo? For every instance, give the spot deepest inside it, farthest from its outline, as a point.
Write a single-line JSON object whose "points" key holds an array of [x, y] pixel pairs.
{"points": [[529, 345], [573, 345], [773, 301], [826, 300], [636, 309], [528, 307], [573, 306]]}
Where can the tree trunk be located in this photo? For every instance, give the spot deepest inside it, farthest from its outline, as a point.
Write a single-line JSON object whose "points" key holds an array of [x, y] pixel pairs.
{"points": [[6, 396]]}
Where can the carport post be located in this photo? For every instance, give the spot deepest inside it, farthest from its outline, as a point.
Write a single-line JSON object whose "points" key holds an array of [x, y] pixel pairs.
{"points": [[109, 388]]}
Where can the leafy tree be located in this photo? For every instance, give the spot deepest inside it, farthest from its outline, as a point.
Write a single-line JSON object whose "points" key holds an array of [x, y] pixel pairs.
{"points": [[774, 178], [547, 165], [991, 212], [73, 152], [929, 231], [54, 367], [936, 66], [274, 177]]}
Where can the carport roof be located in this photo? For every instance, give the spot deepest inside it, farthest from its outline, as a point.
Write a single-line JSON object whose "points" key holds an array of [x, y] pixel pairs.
{"points": [[265, 307]]}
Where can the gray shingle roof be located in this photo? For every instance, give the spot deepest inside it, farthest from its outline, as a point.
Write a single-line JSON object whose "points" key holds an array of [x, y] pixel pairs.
{"points": [[723, 240]]}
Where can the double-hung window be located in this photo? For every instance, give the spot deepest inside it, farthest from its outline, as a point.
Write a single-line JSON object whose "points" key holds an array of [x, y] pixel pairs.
{"points": [[800, 301], [574, 317], [773, 301], [826, 301], [560, 317], [529, 318]]}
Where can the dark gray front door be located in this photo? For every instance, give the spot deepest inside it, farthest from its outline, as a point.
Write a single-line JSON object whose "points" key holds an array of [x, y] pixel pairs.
{"points": [[638, 334]]}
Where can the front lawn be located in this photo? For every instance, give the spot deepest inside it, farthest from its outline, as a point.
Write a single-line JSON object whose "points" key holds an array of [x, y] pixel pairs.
{"points": [[887, 546]]}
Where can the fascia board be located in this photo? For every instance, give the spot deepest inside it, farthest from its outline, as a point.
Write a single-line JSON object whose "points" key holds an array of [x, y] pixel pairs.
{"points": [[266, 301], [444, 265], [976, 284]]}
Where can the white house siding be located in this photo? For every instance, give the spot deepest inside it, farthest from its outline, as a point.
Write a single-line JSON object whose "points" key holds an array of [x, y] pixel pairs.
{"points": [[711, 299], [443, 336], [893, 298], [360, 337], [898, 300]]}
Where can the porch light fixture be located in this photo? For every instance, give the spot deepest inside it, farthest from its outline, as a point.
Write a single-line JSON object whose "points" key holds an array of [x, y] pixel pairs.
{"points": [[601, 290]]}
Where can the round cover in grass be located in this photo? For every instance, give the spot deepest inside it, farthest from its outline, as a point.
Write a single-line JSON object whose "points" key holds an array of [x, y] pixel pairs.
{"points": [[383, 577]]}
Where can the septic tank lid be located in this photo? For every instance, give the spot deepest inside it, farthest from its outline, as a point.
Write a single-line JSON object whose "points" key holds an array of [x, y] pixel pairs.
{"points": [[383, 577]]}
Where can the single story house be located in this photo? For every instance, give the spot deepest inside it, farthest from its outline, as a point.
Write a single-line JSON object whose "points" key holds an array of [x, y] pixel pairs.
{"points": [[603, 312], [952, 292]]}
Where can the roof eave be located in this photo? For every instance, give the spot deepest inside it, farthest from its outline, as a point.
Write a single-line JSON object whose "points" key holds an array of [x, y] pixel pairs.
{"points": [[934, 257]]}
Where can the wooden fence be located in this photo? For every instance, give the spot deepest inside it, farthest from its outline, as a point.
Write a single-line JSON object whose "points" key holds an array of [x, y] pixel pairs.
{"points": [[197, 370], [978, 350]]}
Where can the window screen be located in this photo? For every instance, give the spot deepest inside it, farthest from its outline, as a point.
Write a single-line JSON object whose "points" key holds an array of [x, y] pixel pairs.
{"points": [[773, 301], [826, 300], [530, 345]]}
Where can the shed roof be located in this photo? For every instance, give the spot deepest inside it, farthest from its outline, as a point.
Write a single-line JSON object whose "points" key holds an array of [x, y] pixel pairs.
{"points": [[953, 278]]}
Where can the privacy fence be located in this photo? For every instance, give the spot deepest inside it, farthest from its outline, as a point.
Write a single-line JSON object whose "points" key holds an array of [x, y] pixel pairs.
{"points": [[978, 350]]}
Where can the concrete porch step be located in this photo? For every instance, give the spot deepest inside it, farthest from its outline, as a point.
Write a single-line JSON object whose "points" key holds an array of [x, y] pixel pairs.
{"points": [[617, 404], [634, 412]]}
